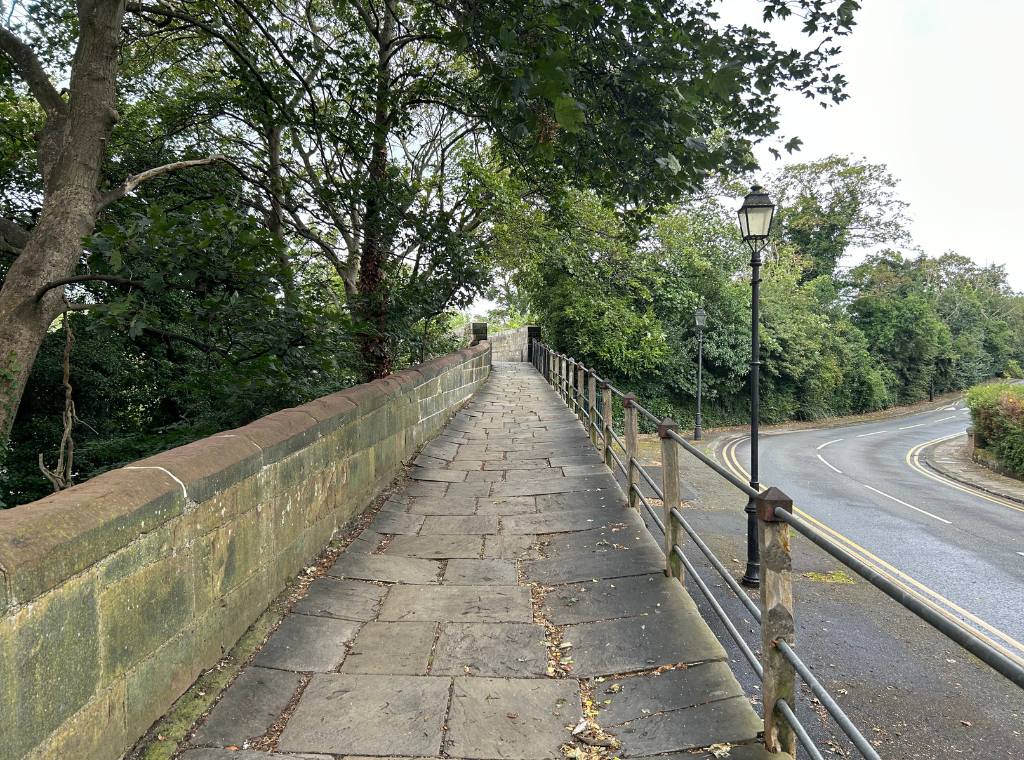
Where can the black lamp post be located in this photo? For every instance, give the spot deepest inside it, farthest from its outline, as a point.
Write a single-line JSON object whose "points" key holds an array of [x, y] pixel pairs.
{"points": [[701, 318], [755, 216]]}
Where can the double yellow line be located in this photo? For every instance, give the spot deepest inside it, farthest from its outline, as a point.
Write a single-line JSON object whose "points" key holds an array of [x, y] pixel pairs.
{"points": [[949, 609], [913, 460]]}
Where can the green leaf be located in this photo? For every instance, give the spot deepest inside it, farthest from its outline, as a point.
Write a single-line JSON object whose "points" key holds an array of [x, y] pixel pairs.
{"points": [[569, 114]]}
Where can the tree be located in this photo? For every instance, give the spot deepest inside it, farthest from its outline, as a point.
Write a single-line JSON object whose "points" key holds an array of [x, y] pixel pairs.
{"points": [[829, 206]]}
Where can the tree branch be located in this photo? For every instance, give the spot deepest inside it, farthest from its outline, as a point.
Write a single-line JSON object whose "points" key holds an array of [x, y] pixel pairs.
{"points": [[27, 64], [13, 236], [137, 179], [88, 278]]}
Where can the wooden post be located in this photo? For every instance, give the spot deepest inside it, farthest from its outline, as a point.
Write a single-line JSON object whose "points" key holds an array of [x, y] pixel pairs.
{"points": [[581, 386], [565, 379], [606, 426], [632, 433], [670, 487], [777, 618], [592, 402]]}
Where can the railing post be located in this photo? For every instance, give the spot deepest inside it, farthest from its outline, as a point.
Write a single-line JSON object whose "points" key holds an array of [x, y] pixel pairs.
{"points": [[777, 618], [632, 433], [581, 384], [592, 403], [670, 487], [606, 425], [570, 381]]}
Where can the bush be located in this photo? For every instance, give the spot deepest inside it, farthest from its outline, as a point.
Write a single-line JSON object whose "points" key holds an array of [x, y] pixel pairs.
{"points": [[997, 412], [1013, 370]]}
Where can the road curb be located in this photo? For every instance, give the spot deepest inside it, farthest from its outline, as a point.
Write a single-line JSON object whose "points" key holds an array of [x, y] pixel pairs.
{"points": [[952, 475]]}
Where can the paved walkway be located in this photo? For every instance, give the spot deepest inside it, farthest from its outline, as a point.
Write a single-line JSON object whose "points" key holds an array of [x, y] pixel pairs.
{"points": [[952, 458], [504, 596]]}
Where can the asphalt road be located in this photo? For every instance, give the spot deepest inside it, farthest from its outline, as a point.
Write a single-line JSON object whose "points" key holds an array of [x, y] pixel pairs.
{"points": [[960, 550]]}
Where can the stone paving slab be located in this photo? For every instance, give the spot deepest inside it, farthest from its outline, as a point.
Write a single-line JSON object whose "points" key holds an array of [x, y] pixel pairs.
{"points": [[307, 644], [389, 569], [554, 485], [347, 714], [459, 525], [508, 650], [512, 547], [442, 505], [466, 604], [595, 566], [437, 474], [391, 648], [397, 522], [480, 572], [506, 505], [608, 499], [437, 546], [345, 599], [245, 754], [638, 696], [565, 521], [633, 644], [253, 703], [638, 596], [726, 721], [521, 719]]}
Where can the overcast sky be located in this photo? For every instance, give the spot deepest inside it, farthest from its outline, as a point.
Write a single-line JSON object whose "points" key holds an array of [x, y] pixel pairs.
{"points": [[935, 93]]}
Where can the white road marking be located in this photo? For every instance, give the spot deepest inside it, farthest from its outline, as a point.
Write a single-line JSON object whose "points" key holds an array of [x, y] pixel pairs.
{"points": [[1021, 553], [865, 435], [908, 427], [946, 418], [900, 501], [837, 440], [828, 465]]}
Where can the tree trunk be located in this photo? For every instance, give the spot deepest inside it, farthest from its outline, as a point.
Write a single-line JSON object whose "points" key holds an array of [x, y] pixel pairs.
{"points": [[371, 305], [71, 154]]}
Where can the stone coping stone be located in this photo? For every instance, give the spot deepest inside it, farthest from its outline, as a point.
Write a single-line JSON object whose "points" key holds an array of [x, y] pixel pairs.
{"points": [[386, 568], [521, 719], [506, 650], [635, 644], [250, 706], [727, 721], [282, 433], [459, 525], [647, 596], [307, 644], [436, 547], [480, 572], [638, 696], [44, 543], [378, 715], [208, 466], [462, 604], [391, 649], [345, 599]]}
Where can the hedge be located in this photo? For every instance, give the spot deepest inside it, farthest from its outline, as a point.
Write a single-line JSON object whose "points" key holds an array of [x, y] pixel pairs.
{"points": [[997, 412]]}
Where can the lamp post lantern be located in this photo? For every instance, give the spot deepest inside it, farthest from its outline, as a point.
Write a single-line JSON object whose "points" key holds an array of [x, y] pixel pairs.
{"points": [[700, 317], [755, 218]]}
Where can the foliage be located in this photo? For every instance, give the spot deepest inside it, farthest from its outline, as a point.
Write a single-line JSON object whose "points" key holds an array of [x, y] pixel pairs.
{"points": [[997, 412]]}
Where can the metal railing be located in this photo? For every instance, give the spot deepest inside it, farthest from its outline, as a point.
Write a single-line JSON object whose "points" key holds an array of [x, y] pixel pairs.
{"points": [[779, 664]]}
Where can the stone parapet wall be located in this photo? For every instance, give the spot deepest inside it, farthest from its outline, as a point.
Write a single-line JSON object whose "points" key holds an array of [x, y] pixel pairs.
{"points": [[115, 594], [512, 345]]}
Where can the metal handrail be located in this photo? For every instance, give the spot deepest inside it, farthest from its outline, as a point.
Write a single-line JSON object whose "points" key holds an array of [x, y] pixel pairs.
{"points": [[959, 633]]}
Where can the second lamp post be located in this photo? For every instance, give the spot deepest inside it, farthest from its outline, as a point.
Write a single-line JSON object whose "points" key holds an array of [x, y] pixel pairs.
{"points": [[701, 318], [755, 216]]}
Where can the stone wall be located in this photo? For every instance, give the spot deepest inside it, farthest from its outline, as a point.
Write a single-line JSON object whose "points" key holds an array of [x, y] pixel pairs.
{"points": [[512, 345], [115, 594]]}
